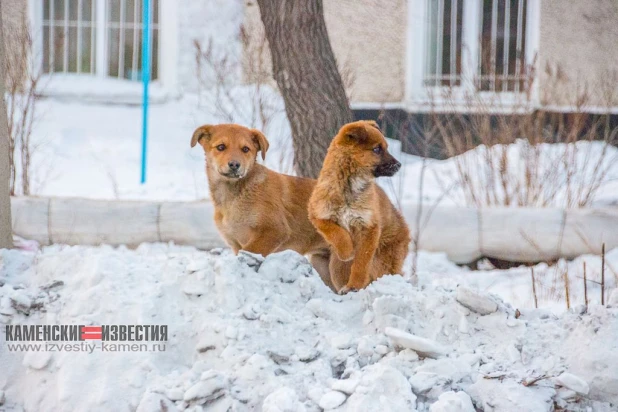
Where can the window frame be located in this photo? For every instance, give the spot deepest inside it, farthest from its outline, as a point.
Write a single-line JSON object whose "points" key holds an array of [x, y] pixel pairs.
{"points": [[167, 56], [419, 97]]}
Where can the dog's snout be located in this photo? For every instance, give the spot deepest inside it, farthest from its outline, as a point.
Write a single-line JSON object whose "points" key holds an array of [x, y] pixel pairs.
{"points": [[233, 165], [388, 168]]}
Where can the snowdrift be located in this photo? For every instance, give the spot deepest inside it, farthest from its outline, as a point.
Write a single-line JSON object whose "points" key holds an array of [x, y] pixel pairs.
{"points": [[247, 333], [465, 234]]}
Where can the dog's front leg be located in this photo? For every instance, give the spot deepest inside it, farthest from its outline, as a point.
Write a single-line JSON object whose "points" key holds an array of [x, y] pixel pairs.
{"points": [[267, 241], [337, 237], [320, 263], [368, 240]]}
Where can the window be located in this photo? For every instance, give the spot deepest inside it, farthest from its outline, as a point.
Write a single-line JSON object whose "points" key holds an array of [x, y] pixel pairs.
{"points": [[502, 61], [471, 45], [444, 43], [101, 37]]}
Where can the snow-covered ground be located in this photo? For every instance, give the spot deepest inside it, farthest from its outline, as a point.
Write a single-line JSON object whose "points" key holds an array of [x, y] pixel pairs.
{"points": [[515, 285], [252, 334], [93, 150]]}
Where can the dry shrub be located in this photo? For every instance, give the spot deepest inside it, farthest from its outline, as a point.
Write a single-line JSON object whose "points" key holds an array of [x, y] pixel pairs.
{"points": [[516, 166], [257, 105]]}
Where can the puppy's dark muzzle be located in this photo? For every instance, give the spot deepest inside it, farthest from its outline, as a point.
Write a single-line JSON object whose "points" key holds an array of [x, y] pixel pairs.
{"points": [[387, 169]]}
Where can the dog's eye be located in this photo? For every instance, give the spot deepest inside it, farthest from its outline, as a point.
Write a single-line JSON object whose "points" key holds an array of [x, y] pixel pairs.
{"points": [[377, 149], [221, 147], [245, 149]]}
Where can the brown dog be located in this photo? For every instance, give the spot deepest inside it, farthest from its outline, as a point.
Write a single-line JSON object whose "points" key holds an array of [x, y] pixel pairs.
{"points": [[368, 235], [256, 209]]}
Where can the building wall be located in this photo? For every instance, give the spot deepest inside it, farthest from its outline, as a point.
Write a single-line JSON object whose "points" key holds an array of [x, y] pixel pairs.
{"points": [[12, 13], [578, 50], [368, 40], [13, 17]]}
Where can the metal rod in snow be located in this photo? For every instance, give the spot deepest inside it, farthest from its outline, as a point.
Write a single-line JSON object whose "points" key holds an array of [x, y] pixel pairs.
{"points": [[145, 81]]}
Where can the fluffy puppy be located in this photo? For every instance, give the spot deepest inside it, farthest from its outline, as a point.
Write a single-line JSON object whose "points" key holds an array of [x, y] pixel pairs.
{"points": [[257, 209], [368, 236]]}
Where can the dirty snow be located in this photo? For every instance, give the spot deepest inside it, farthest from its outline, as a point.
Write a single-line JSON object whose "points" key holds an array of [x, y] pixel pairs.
{"points": [[245, 334]]}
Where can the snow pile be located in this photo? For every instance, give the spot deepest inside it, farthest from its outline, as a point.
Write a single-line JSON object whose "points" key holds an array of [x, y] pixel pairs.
{"points": [[247, 333]]}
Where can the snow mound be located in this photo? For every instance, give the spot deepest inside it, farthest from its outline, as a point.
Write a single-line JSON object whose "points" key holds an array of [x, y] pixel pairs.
{"points": [[248, 333]]}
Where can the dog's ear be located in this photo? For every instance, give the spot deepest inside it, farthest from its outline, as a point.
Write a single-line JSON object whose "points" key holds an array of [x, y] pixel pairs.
{"points": [[260, 140], [355, 132], [202, 132], [373, 123]]}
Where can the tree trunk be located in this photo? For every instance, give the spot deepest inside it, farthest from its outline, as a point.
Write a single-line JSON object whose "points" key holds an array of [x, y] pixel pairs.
{"points": [[6, 234], [305, 70]]}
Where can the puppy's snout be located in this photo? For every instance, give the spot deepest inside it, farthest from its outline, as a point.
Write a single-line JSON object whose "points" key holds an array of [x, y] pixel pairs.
{"points": [[233, 165], [388, 168], [392, 167]]}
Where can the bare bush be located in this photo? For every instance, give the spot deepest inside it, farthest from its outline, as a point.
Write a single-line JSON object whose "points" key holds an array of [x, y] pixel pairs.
{"points": [[525, 156], [257, 105], [22, 88]]}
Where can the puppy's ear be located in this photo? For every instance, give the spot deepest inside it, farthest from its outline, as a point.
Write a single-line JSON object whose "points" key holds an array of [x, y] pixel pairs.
{"points": [[373, 123], [355, 132], [260, 140], [202, 132]]}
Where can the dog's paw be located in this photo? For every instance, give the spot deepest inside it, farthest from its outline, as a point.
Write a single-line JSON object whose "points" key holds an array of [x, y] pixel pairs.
{"points": [[355, 284], [344, 290]]}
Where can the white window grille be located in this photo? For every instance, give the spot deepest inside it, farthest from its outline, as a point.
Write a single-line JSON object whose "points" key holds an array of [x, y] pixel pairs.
{"points": [[444, 43], [502, 61], [101, 37], [478, 42]]}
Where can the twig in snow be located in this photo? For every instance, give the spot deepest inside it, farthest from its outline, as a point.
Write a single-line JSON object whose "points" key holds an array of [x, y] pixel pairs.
{"points": [[603, 274], [585, 288], [533, 381], [566, 289], [499, 376], [592, 251], [536, 302], [53, 285], [419, 212], [589, 280]]}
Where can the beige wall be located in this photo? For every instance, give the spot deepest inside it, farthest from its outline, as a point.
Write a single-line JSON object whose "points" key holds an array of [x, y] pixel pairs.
{"points": [[581, 38], [368, 39], [13, 14]]}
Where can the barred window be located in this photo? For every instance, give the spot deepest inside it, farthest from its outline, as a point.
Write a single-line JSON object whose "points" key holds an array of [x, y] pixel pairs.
{"points": [[499, 32], [445, 40], [503, 41], [78, 35]]}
